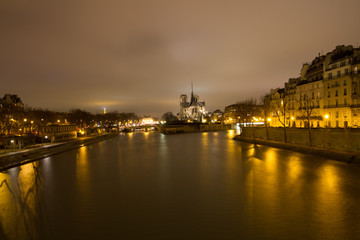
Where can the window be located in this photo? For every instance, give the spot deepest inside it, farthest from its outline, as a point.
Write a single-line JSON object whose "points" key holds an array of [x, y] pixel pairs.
{"points": [[345, 82], [345, 91], [336, 93], [345, 101], [337, 114], [330, 76], [346, 72], [312, 95], [338, 73], [328, 94], [328, 86]]}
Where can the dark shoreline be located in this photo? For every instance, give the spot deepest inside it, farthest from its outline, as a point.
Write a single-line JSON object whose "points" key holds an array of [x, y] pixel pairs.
{"points": [[347, 157], [19, 158]]}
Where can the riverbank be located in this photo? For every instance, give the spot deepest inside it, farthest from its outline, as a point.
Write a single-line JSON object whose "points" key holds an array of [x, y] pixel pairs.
{"points": [[348, 157], [13, 159]]}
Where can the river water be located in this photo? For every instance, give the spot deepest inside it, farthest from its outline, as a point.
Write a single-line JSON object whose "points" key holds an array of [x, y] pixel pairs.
{"points": [[185, 186]]}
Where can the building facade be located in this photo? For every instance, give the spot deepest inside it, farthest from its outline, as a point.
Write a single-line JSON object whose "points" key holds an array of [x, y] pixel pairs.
{"points": [[10, 100], [325, 95]]}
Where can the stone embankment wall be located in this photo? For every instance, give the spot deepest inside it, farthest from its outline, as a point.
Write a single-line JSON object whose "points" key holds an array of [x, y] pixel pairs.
{"points": [[347, 139], [30, 155], [193, 128]]}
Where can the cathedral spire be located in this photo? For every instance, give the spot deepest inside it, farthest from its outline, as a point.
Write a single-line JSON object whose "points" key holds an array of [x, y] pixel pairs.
{"points": [[192, 93]]}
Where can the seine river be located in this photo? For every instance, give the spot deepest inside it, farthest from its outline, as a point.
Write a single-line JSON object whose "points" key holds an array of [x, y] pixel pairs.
{"points": [[185, 186]]}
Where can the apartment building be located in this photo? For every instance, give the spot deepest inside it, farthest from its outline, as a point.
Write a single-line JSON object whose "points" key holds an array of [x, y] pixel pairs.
{"points": [[327, 93]]}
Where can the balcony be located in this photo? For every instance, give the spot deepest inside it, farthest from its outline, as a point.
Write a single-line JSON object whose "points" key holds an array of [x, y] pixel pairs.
{"points": [[337, 76], [337, 106]]}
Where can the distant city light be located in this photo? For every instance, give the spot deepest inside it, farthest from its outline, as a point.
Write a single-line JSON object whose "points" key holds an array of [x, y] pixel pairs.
{"points": [[147, 121]]}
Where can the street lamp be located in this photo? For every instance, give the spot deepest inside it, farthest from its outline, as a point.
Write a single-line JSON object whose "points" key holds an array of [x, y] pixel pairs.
{"points": [[326, 121], [12, 144]]}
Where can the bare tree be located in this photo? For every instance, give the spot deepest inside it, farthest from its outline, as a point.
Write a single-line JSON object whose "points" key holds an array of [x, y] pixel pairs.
{"points": [[265, 102], [306, 111], [280, 108]]}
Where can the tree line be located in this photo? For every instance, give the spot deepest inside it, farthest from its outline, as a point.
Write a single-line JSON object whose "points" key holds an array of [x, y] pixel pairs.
{"points": [[19, 120]]}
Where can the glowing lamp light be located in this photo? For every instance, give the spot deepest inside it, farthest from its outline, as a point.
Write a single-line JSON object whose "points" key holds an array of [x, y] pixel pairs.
{"points": [[292, 118], [269, 119], [326, 116]]}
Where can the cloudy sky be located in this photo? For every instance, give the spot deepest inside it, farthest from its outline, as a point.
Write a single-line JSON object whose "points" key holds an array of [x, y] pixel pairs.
{"points": [[140, 55]]}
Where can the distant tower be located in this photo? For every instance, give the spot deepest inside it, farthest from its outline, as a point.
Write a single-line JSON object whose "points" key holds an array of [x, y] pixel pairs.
{"points": [[104, 111], [183, 101], [192, 93]]}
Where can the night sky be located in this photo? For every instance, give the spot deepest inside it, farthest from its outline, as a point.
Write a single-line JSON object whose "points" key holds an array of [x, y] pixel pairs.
{"points": [[140, 55]]}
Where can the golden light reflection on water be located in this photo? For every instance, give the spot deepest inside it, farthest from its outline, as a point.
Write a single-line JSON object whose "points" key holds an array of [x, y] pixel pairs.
{"points": [[329, 204], [231, 133], [82, 169], [204, 161], [295, 169], [205, 139]]}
